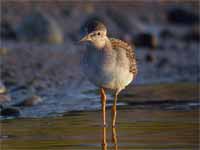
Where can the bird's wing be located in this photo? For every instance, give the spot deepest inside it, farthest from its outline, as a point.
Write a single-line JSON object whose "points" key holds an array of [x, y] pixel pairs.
{"points": [[129, 53]]}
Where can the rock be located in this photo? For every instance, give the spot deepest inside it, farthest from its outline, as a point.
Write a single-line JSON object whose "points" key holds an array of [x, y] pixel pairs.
{"points": [[145, 40], [149, 58], [10, 111], [182, 16], [7, 32], [166, 34], [30, 101], [40, 28], [4, 98]]}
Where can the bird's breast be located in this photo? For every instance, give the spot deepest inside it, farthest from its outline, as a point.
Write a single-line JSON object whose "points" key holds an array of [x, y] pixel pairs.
{"points": [[107, 69]]}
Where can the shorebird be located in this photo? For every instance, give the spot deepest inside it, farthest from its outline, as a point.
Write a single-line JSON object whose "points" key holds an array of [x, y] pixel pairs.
{"points": [[108, 63]]}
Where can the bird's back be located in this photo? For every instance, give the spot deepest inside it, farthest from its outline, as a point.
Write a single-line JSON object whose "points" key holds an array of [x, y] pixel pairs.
{"points": [[130, 53]]}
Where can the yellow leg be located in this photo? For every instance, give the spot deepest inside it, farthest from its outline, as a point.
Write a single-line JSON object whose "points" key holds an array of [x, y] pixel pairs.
{"points": [[103, 105], [114, 138], [104, 140], [114, 109]]}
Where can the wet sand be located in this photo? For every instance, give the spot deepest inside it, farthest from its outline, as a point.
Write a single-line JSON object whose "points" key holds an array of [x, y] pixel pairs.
{"points": [[138, 128]]}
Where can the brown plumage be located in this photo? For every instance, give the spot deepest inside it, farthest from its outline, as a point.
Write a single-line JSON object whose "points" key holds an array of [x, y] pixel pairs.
{"points": [[116, 43], [110, 64]]}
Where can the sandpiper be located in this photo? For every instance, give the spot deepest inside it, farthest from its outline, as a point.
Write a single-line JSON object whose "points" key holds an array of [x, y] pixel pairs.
{"points": [[108, 63]]}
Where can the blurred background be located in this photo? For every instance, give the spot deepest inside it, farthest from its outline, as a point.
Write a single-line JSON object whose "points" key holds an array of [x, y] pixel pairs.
{"points": [[40, 52], [47, 103]]}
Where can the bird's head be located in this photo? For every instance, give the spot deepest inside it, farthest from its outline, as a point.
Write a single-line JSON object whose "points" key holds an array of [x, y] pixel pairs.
{"points": [[96, 34]]}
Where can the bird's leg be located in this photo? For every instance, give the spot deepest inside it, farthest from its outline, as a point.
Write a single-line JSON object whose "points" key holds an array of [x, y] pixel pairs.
{"points": [[103, 105], [114, 109], [114, 138], [104, 141]]}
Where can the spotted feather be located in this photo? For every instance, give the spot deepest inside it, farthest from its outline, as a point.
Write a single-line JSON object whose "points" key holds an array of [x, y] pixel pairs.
{"points": [[129, 53]]}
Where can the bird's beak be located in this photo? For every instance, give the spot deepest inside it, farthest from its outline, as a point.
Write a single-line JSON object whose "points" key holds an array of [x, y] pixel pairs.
{"points": [[85, 39]]}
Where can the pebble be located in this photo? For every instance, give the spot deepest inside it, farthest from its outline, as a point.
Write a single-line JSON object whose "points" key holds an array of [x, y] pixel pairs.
{"points": [[30, 101], [4, 98]]}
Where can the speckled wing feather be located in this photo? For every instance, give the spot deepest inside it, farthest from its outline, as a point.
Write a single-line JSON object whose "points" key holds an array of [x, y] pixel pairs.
{"points": [[129, 53]]}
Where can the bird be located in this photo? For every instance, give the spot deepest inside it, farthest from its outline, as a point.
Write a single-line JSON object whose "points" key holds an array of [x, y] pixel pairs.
{"points": [[108, 63]]}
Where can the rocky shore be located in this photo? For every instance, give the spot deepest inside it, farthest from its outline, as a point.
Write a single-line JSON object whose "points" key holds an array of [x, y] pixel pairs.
{"points": [[40, 55]]}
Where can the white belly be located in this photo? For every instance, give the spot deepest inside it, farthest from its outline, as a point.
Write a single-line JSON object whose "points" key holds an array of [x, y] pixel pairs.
{"points": [[108, 71], [120, 79], [116, 78]]}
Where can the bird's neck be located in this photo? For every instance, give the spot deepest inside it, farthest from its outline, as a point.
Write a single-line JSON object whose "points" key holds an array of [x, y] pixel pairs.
{"points": [[104, 45], [108, 45]]}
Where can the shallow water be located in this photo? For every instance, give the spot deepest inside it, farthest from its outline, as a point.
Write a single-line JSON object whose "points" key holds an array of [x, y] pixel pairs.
{"points": [[138, 128]]}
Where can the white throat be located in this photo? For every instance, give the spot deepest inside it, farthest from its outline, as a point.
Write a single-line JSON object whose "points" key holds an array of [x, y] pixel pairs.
{"points": [[101, 43]]}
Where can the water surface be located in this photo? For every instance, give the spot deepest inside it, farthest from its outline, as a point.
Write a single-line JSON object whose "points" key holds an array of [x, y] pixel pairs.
{"points": [[138, 128]]}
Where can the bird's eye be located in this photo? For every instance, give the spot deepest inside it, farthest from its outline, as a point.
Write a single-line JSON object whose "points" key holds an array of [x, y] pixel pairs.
{"points": [[98, 33]]}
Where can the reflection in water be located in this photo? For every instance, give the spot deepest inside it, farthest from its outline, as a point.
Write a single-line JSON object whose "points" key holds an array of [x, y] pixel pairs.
{"points": [[104, 138], [114, 138], [171, 130]]}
